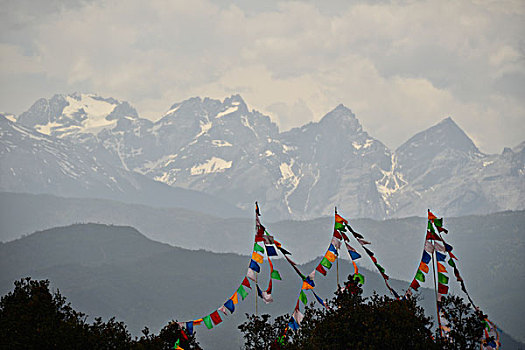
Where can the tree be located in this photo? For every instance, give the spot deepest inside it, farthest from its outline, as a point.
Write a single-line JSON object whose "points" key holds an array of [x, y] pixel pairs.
{"points": [[466, 324], [31, 317]]}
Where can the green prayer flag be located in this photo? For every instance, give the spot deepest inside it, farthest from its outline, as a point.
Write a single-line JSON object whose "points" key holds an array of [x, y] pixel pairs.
{"points": [[360, 278], [326, 263], [176, 345], [275, 275], [452, 263], [442, 278], [420, 276], [431, 227], [339, 226], [242, 292], [258, 248], [207, 322], [438, 222], [381, 268], [303, 298]]}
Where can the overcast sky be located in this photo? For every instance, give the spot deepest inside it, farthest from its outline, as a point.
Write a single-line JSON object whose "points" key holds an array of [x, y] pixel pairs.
{"points": [[401, 66]]}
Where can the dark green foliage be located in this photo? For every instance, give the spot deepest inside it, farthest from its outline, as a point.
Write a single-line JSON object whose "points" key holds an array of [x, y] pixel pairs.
{"points": [[465, 323], [31, 317], [378, 322], [259, 333]]}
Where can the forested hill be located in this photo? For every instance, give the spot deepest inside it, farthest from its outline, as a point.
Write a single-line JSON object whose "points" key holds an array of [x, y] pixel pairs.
{"points": [[116, 271]]}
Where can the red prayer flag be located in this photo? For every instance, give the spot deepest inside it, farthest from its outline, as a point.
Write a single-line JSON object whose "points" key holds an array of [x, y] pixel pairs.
{"points": [[216, 318], [246, 283], [432, 236], [321, 269], [345, 237], [442, 289], [340, 219], [414, 285], [431, 216], [337, 234]]}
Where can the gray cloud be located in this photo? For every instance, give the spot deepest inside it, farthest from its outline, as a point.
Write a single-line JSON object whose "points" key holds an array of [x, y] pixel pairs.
{"points": [[400, 66]]}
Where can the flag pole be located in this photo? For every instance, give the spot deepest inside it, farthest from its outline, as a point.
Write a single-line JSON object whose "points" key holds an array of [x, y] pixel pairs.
{"points": [[435, 285], [337, 262], [256, 219]]}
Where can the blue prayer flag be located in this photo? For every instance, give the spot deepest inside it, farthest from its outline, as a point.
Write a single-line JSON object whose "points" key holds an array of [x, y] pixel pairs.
{"points": [[270, 250], [354, 255], [319, 299], [332, 249], [254, 266], [440, 256], [293, 324], [230, 305], [189, 327], [426, 257]]}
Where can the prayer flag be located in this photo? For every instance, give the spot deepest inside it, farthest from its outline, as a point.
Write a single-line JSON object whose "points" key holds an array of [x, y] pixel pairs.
{"points": [[368, 251], [441, 268], [257, 257], [442, 278], [339, 227], [216, 318], [326, 263], [440, 257], [451, 263], [448, 247], [246, 283], [243, 293], [430, 227], [330, 256], [254, 266], [251, 274], [309, 281], [258, 248], [429, 247], [319, 299], [420, 276], [362, 241], [298, 316], [207, 322], [259, 291], [381, 268], [321, 269], [189, 327], [197, 322], [275, 275], [340, 219], [354, 255], [442, 289], [268, 239], [332, 249], [336, 243], [270, 250], [426, 257], [267, 297], [355, 267], [229, 305], [423, 267], [223, 309], [306, 286], [438, 222], [284, 251], [439, 247], [414, 285], [431, 216], [337, 234], [360, 278], [235, 298], [293, 324], [303, 297]]}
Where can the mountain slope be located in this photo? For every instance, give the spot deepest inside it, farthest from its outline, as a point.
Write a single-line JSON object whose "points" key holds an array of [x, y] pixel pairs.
{"points": [[36, 163]]}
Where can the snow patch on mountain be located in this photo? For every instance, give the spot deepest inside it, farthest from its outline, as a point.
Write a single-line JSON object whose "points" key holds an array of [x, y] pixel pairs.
{"points": [[212, 165]]}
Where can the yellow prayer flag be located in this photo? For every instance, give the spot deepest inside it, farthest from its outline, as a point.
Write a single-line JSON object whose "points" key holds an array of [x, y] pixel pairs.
{"points": [[423, 267], [306, 285], [257, 257], [441, 268], [330, 256], [235, 298]]}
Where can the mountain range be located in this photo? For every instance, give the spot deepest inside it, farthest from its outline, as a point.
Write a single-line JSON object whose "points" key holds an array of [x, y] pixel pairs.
{"points": [[110, 271], [83, 145]]}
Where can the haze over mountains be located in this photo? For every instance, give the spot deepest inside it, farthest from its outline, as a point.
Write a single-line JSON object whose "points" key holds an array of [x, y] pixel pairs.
{"points": [[82, 145]]}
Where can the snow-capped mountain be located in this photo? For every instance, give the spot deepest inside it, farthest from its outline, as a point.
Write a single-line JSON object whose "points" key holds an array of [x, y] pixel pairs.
{"points": [[36, 163], [224, 149]]}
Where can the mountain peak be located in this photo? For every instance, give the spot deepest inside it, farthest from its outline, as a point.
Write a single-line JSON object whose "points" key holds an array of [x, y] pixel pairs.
{"points": [[341, 117]]}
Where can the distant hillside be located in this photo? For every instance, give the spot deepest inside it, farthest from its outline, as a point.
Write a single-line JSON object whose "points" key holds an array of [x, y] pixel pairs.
{"points": [[116, 271]]}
